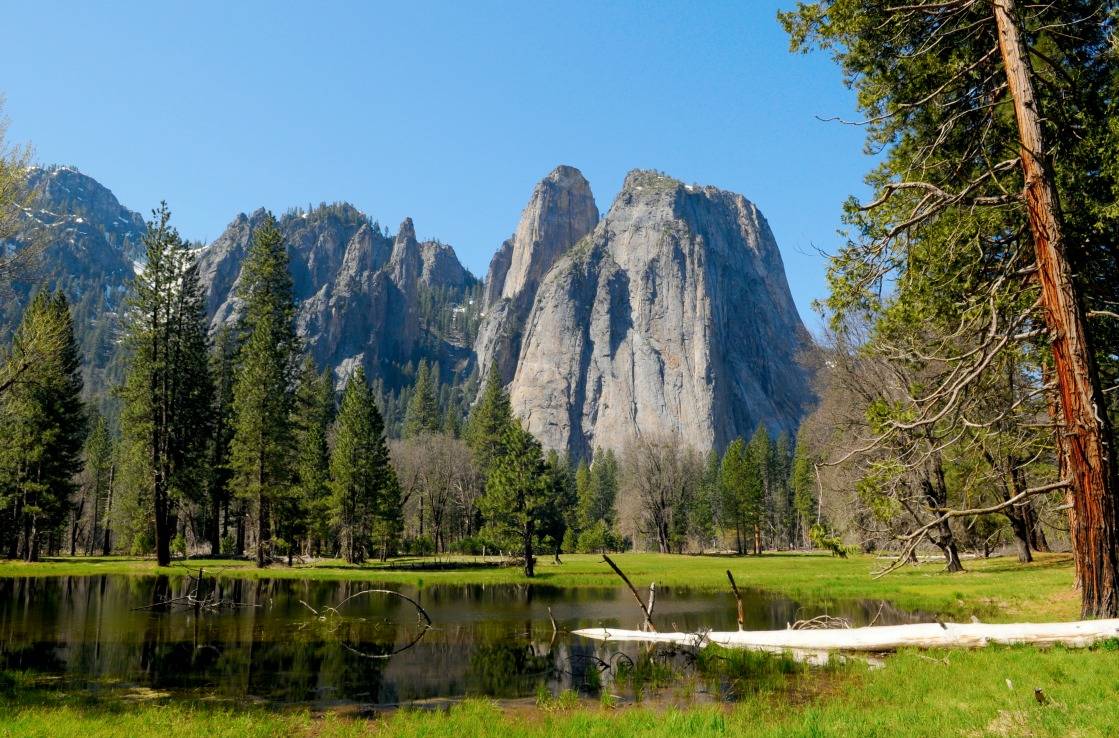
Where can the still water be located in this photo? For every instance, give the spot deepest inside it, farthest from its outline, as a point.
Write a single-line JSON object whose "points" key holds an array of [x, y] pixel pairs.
{"points": [[487, 640]]}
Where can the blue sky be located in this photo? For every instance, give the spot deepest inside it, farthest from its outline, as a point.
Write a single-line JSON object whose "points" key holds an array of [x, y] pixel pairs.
{"points": [[445, 112]]}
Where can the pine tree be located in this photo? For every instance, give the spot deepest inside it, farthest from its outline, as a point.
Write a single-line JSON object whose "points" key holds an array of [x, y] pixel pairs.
{"points": [[781, 512], [803, 483], [517, 491], [314, 414], [167, 389], [44, 425], [759, 494], [489, 420], [365, 496], [984, 117], [263, 393], [98, 466], [223, 360], [423, 410], [579, 521], [743, 492], [703, 517], [561, 510]]}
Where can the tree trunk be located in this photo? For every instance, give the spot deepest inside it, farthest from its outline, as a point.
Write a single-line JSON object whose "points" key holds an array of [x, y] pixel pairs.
{"points": [[32, 540], [92, 540], [1086, 432], [261, 505], [936, 498], [13, 544], [1014, 483], [213, 525], [75, 517], [757, 539], [1037, 531], [947, 544], [162, 534], [106, 547], [530, 562], [1021, 535], [239, 546], [261, 527]]}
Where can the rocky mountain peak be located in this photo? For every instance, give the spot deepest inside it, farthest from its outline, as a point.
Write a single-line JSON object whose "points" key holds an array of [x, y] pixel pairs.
{"points": [[74, 205], [561, 211], [672, 318], [406, 232]]}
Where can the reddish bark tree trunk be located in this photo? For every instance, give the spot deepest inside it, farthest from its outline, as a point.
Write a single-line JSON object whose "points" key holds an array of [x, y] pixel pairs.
{"points": [[1085, 433]]}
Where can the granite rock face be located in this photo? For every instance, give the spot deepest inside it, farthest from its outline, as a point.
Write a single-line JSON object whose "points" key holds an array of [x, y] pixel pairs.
{"points": [[672, 317], [361, 294], [561, 211], [91, 246]]}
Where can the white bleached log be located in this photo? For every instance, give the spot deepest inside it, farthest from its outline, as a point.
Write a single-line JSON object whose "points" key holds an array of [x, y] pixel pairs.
{"points": [[879, 638]]}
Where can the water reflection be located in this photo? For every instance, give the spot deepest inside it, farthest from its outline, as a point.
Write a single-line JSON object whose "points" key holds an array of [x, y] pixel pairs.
{"points": [[495, 640]]}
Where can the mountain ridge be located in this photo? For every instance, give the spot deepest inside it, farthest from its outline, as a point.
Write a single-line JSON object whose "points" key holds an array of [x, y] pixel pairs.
{"points": [[568, 283]]}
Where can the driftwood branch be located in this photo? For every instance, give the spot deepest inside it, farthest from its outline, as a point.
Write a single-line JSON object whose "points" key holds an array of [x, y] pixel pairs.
{"points": [[646, 611], [738, 600], [815, 644], [335, 612]]}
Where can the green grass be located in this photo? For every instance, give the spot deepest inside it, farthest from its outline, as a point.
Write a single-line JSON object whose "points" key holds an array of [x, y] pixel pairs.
{"points": [[988, 692], [995, 589]]}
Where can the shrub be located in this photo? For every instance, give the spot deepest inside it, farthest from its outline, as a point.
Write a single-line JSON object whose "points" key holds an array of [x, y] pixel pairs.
{"points": [[821, 538]]}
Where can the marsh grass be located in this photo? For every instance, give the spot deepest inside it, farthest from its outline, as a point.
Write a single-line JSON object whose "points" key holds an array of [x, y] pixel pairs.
{"points": [[986, 692]]}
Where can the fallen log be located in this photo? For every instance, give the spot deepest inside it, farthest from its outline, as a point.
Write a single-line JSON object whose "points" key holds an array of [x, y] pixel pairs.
{"points": [[879, 638]]}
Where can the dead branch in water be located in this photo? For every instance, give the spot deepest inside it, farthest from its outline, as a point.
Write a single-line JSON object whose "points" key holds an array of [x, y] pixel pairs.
{"points": [[195, 600], [647, 611], [821, 622], [335, 612], [737, 599]]}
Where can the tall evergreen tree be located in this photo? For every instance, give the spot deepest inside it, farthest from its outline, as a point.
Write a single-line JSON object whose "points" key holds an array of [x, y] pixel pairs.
{"points": [[365, 496], [489, 420], [44, 425], [98, 466], [986, 115], [562, 509], [422, 415], [759, 495], [517, 493], [803, 482], [743, 493], [167, 389], [704, 513], [263, 393], [314, 414], [223, 359]]}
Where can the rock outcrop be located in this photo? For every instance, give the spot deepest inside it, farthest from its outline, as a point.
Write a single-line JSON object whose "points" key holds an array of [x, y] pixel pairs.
{"points": [[561, 211], [672, 317], [91, 246], [364, 298]]}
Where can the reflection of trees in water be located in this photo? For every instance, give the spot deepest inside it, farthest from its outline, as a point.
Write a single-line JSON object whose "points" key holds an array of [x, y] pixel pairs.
{"points": [[510, 668], [488, 640]]}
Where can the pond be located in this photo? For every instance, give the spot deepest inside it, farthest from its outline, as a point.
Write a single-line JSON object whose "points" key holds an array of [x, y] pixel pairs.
{"points": [[87, 633]]}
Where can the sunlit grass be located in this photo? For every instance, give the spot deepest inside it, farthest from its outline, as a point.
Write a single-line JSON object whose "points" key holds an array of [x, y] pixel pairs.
{"points": [[987, 692]]}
